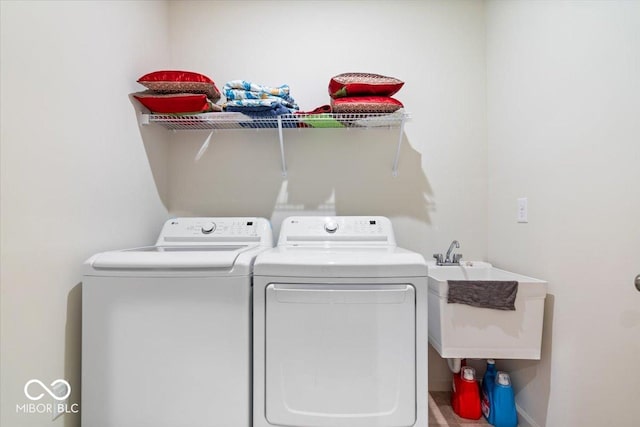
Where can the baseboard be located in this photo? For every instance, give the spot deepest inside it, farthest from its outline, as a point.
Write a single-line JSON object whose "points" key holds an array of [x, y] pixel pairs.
{"points": [[524, 420]]}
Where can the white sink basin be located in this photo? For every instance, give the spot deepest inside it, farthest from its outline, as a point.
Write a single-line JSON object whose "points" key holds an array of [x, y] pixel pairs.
{"points": [[459, 331], [475, 270]]}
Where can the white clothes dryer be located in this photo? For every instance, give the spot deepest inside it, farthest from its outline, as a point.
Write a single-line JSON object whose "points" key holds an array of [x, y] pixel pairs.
{"points": [[340, 327], [166, 329]]}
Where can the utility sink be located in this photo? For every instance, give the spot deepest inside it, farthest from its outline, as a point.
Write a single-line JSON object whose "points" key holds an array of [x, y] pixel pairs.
{"points": [[463, 331]]}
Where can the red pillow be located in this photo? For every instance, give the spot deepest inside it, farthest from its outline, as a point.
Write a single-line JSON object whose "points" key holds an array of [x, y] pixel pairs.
{"points": [[168, 81], [366, 104], [177, 103], [355, 84]]}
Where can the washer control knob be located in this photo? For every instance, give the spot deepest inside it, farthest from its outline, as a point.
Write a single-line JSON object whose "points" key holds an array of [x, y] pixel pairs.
{"points": [[208, 227], [330, 226]]}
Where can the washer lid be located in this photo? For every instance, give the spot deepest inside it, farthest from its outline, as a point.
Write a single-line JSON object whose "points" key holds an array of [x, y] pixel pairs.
{"points": [[169, 257], [342, 261]]}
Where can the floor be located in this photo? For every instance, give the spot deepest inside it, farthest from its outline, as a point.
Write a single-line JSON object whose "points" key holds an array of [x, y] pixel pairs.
{"points": [[441, 413]]}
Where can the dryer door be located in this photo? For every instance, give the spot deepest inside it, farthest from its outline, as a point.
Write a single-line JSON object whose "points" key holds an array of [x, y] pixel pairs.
{"points": [[340, 355]]}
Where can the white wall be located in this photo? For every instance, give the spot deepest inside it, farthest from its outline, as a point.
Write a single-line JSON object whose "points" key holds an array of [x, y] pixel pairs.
{"points": [[75, 176], [563, 86], [437, 48]]}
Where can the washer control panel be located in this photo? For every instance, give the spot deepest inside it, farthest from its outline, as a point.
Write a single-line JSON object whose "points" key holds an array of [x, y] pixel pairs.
{"points": [[207, 230], [354, 229]]}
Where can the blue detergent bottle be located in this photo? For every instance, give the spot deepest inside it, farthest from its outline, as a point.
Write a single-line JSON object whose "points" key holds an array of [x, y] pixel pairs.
{"points": [[504, 405], [486, 399]]}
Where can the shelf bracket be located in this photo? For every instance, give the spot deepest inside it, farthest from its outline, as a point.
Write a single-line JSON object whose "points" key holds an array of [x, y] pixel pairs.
{"points": [[281, 137], [394, 171], [204, 146]]}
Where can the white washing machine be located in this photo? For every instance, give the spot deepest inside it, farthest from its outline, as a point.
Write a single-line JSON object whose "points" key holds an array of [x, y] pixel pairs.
{"points": [[166, 329], [340, 327]]}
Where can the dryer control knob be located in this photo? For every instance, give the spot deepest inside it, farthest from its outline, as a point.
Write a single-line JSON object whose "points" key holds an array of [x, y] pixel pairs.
{"points": [[331, 227], [208, 227]]}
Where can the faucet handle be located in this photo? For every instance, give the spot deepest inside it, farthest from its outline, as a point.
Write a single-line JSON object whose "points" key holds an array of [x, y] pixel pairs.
{"points": [[457, 258], [439, 258]]}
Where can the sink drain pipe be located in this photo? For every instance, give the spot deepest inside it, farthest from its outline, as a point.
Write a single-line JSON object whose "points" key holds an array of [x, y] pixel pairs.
{"points": [[454, 364]]}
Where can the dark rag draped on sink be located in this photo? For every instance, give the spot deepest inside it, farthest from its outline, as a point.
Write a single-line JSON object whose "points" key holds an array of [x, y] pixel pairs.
{"points": [[494, 294]]}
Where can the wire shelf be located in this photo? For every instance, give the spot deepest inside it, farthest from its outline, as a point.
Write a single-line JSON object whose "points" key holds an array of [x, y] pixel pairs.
{"points": [[232, 120]]}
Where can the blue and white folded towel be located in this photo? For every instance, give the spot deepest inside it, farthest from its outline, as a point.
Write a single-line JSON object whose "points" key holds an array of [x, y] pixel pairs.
{"points": [[280, 91], [242, 90], [266, 106], [259, 110]]}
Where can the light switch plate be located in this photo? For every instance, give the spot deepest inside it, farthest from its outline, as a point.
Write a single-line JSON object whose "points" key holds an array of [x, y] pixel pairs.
{"points": [[523, 210]]}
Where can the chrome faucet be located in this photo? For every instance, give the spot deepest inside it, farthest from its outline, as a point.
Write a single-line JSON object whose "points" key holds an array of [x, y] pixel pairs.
{"points": [[454, 244], [447, 258]]}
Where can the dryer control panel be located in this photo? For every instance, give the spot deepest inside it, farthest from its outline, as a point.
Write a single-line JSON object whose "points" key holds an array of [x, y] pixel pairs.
{"points": [[208, 230], [299, 230]]}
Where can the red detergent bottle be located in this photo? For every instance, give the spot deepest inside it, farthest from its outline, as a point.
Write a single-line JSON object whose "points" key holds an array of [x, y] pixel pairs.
{"points": [[488, 381], [465, 398]]}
